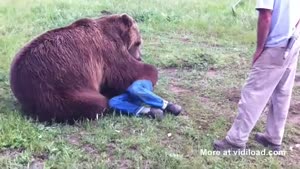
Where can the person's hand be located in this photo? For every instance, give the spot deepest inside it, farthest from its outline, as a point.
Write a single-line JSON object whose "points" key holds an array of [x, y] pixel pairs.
{"points": [[256, 55]]}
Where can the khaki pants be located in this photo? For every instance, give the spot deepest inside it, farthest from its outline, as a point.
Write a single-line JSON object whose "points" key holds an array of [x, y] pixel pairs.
{"points": [[271, 78]]}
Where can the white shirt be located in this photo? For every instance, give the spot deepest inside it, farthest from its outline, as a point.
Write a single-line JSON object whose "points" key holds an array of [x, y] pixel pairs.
{"points": [[285, 15]]}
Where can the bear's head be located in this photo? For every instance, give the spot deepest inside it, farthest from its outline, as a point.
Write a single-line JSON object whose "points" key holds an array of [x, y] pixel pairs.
{"points": [[125, 27], [132, 36]]}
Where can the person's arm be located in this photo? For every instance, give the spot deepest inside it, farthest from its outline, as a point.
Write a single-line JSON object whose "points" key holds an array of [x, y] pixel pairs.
{"points": [[263, 29]]}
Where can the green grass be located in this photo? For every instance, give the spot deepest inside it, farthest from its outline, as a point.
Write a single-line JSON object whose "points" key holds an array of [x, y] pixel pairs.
{"points": [[202, 52]]}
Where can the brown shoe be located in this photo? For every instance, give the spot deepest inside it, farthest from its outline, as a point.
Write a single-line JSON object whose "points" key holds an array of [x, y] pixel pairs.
{"points": [[223, 145], [174, 109], [261, 139], [156, 114]]}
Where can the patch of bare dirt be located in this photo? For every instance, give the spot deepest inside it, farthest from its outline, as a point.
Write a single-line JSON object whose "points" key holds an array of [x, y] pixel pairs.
{"points": [[74, 140], [294, 115], [147, 164], [295, 108], [87, 148], [204, 99], [37, 164], [90, 149], [10, 153], [292, 158], [178, 90], [233, 95], [124, 164], [110, 149], [211, 73], [297, 79], [42, 156], [134, 148], [294, 139], [185, 39], [169, 71]]}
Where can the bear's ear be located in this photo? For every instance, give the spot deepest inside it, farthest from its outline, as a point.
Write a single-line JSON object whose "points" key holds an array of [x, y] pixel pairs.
{"points": [[128, 21]]}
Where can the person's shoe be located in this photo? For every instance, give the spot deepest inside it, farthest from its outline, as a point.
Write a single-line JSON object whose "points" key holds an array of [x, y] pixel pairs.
{"points": [[174, 109], [261, 139], [224, 145], [156, 113]]}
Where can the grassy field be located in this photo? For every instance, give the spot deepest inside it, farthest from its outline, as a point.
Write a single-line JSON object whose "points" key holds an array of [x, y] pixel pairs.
{"points": [[203, 54]]}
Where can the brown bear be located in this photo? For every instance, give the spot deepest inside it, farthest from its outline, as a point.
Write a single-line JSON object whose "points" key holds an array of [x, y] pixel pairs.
{"points": [[69, 73]]}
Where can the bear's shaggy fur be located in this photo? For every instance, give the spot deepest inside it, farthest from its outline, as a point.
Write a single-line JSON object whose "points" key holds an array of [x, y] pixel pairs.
{"points": [[69, 73]]}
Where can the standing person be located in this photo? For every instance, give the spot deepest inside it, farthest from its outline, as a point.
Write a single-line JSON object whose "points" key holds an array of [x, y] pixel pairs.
{"points": [[271, 78], [139, 100]]}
